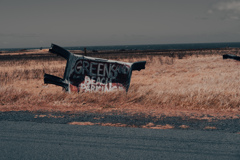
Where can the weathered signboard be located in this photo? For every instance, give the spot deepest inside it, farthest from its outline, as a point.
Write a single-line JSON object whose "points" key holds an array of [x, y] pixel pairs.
{"points": [[88, 74]]}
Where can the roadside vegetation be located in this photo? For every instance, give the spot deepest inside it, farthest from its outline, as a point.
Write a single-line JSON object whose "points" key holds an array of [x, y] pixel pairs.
{"points": [[177, 80]]}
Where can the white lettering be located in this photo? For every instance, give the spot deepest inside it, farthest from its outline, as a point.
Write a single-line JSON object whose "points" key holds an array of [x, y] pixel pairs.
{"points": [[100, 69], [85, 67], [106, 71], [92, 69], [78, 67]]}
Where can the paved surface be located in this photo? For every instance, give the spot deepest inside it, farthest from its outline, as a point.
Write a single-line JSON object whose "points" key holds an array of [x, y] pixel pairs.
{"points": [[31, 140], [137, 120]]}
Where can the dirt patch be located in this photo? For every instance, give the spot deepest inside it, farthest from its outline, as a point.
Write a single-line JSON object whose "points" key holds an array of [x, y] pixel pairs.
{"points": [[210, 127], [153, 126], [82, 123], [184, 126]]}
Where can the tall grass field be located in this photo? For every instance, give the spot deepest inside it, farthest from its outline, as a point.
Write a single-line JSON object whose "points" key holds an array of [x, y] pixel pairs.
{"points": [[189, 80]]}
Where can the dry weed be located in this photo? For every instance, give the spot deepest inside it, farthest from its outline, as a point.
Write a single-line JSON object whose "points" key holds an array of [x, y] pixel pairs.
{"points": [[190, 82]]}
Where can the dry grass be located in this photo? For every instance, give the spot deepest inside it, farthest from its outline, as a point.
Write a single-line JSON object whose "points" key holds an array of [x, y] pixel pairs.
{"points": [[186, 83]]}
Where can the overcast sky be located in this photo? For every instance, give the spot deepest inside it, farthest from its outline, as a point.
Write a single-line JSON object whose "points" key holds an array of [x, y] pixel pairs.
{"points": [[36, 23]]}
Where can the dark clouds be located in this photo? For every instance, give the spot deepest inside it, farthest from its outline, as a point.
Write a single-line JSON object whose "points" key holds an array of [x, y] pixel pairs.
{"points": [[33, 23]]}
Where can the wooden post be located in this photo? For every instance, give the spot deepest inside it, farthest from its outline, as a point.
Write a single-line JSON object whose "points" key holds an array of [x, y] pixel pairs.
{"points": [[85, 51]]}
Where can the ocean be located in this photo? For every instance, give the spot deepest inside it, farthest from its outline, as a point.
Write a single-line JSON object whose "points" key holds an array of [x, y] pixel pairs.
{"points": [[145, 47]]}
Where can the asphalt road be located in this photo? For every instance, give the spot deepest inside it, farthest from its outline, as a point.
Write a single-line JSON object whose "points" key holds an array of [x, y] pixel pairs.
{"points": [[31, 140], [137, 120]]}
